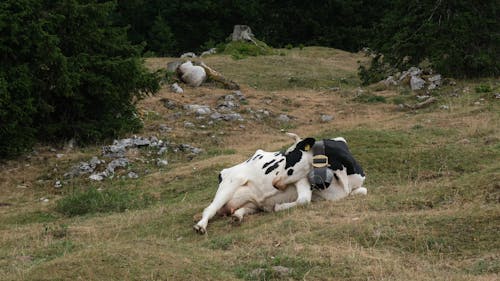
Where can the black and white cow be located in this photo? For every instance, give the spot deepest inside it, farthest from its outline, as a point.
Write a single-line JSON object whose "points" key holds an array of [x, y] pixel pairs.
{"points": [[258, 183], [275, 181]]}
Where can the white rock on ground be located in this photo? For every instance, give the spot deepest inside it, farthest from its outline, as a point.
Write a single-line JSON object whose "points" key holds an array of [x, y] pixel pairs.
{"points": [[416, 83], [176, 88], [191, 74]]}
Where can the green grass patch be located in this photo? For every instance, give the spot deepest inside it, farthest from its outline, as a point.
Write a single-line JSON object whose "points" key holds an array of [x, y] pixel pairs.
{"points": [[28, 218], [94, 201], [241, 50], [370, 98]]}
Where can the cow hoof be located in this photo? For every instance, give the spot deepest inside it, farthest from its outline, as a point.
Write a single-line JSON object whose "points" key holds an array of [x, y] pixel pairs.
{"points": [[236, 221], [199, 229]]}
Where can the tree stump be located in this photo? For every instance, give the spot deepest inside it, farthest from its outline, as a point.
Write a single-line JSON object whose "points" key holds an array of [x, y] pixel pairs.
{"points": [[243, 33]]}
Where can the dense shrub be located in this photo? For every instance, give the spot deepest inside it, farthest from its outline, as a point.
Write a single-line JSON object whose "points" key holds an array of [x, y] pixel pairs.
{"points": [[241, 50], [66, 72]]}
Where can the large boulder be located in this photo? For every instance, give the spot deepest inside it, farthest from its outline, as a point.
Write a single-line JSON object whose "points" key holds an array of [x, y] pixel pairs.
{"points": [[192, 75]]}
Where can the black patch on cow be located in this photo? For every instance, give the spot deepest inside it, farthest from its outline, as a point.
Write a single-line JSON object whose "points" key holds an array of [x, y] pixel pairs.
{"points": [[277, 153], [277, 173], [260, 157], [339, 157], [336, 177], [289, 172], [256, 156], [220, 178], [294, 156], [272, 168], [268, 163]]}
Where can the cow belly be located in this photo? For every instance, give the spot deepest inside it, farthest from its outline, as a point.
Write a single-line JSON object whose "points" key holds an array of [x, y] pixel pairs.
{"points": [[263, 200]]}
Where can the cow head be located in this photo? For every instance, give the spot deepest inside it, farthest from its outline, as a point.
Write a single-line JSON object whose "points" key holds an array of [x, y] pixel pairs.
{"points": [[298, 162]]}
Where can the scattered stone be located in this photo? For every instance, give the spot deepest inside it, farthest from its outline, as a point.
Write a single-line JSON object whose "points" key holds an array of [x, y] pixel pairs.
{"points": [[242, 126], [416, 83], [477, 103], [326, 118], [58, 184], [162, 151], [188, 125], [161, 162], [59, 155], [216, 116], [334, 89], [190, 148], [169, 104], [164, 128], [84, 168], [133, 175], [43, 200], [497, 95], [117, 163], [227, 105], [257, 273], [390, 81], [232, 117], [96, 177], [422, 97], [423, 104], [444, 107], [188, 55], [176, 88], [238, 94], [198, 109], [193, 75], [173, 65], [281, 270], [209, 52], [283, 118]]}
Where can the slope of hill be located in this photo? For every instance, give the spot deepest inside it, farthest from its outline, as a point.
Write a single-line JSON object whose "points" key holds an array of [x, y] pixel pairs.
{"points": [[432, 211]]}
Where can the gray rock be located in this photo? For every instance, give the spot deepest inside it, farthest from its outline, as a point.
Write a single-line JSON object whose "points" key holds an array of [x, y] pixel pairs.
{"points": [[161, 162], [326, 118], [96, 177], [390, 81], [170, 104], [58, 184], [436, 79], [190, 148], [132, 175], [257, 273], [188, 55], [173, 65], [163, 128], [283, 118], [227, 105], [422, 97], [209, 52], [188, 124], [216, 116], [281, 270], [334, 89], [117, 163], [162, 151], [232, 117], [444, 107], [416, 83], [198, 109], [59, 155], [176, 88], [497, 95], [238, 94]]}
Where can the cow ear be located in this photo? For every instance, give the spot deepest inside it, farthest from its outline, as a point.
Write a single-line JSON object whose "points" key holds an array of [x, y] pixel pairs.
{"points": [[306, 144]]}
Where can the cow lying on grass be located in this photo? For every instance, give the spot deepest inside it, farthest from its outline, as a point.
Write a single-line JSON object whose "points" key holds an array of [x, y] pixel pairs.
{"points": [[275, 181]]}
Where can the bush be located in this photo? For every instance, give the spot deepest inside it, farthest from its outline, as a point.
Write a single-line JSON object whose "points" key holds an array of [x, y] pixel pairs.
{"points": [[110, 200], [67, 72], [241, 50]]}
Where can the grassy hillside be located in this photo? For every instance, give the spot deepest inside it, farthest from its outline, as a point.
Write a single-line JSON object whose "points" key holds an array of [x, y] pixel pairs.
{"points": [[433, 176]]}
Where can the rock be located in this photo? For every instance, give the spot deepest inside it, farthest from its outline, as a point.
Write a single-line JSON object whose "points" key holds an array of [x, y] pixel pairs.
{"points": [[216, 116], [232, 117], [326, 118], [390, 81], [239, 95], [132, 175], [173, 65], [334, 89], [198, 109], [283, 118], [191, 74], [176, 88], [497, 95], [209, 52], [188, 55], [190, 148], [444, 107], [188, 124], [59, 155], [43, 200], [96, 177], [411, 72], [436, 79], [117, 163], [84, 168], [257, 273], [163, 128], [161, 162], [169, 104], [162, 151], [422, 97], [58, 184], [416, 83], [281, 270], [227, 105]]}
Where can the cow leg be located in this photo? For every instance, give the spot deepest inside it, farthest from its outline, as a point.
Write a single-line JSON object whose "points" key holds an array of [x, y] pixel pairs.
{"points": [[222, 196], [304, 193], [248, 209], [360, 190]]}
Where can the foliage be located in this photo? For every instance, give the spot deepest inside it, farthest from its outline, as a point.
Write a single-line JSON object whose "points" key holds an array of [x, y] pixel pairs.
{"points": [[95, 201], [241, 50], [67, 72], [459, 38]]}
